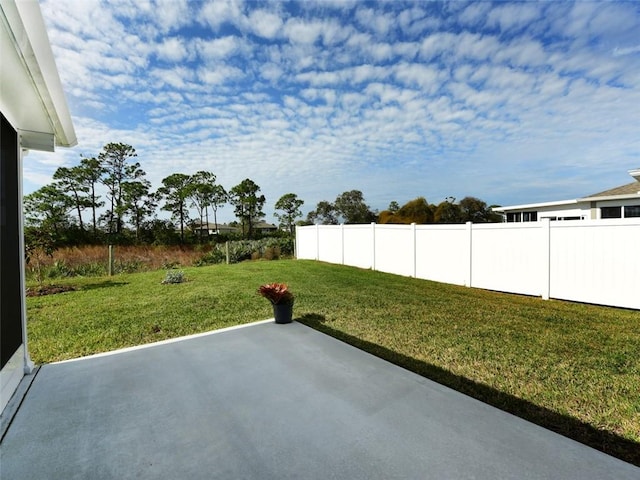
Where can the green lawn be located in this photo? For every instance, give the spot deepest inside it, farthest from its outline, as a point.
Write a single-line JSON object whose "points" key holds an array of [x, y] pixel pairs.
{"points": [[570, 367]]}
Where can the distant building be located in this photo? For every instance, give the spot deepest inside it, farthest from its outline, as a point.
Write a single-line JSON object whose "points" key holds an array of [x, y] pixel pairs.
{"points": [[618, 202], [264, 227], [214, 228]]}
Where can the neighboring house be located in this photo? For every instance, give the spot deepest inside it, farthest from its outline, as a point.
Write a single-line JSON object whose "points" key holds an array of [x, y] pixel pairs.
{"points": [[264, 227], [619, 202], [33, 116], [214, 228]]}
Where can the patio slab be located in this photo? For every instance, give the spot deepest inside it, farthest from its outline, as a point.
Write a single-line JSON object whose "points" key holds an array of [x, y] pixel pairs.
{"points": [[271, 401]]}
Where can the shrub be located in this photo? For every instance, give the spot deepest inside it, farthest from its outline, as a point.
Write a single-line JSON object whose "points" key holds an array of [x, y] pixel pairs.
{"points": [[174, 276]]}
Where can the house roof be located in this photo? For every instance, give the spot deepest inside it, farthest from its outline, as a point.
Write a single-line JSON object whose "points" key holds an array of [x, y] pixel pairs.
{"points": [[264, 225], [632, 188]]}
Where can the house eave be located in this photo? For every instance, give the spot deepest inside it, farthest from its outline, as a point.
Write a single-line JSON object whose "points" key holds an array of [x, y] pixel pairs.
{"points": [[529, 206], [635, 173], [30, 77]]}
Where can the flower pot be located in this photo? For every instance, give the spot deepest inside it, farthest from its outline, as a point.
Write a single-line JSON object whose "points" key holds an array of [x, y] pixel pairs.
{"points": [[283, 312]]}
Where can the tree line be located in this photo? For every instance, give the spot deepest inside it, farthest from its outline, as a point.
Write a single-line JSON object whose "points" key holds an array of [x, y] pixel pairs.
{"points": [[350, 207], [107, 199]]}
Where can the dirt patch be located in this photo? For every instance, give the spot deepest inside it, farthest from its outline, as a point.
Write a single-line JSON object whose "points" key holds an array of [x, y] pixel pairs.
{"points": [[41, 290]]}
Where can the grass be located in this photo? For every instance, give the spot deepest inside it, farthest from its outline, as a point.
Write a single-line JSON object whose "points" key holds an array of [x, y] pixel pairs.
{"points": [[570, 367]]}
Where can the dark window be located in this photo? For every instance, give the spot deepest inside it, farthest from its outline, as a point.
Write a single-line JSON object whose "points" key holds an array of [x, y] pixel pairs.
{"points": [[632, 211], [610, 212], [529, 216], [10, 284], [514, 217]]}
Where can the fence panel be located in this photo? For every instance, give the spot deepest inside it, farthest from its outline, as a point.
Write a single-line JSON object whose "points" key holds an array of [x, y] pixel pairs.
{"points": [[358, 245], [585, 261], [394, 249], [596, 262], [307, 243], [442, 253], [330, 243], [510, 257]]}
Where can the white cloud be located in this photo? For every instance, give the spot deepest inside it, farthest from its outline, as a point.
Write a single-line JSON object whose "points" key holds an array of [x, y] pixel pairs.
{"points": [[219, 75], [171, 14], [513, 16], [265, 24], [172, 49], [216, 12], [219, 48], [620, 52], [375, 21]]}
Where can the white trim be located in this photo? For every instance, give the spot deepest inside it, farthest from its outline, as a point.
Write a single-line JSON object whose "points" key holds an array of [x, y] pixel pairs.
{"points": [[25, 28], [535, 205], [28, 364], [165, 342]]}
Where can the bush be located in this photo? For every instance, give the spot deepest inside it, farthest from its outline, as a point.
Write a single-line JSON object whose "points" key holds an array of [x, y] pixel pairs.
{"points": [[174, 276]]}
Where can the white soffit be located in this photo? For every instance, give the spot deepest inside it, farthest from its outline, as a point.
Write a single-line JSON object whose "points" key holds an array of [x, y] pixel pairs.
{"points": [[31, 94]]}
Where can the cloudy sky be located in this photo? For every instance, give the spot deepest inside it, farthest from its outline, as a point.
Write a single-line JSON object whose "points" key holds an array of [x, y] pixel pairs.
{"points": [[510, 102]]}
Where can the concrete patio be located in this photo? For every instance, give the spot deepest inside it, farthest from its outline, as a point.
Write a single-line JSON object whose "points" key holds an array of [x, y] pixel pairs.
{"points": [[269, 401]]}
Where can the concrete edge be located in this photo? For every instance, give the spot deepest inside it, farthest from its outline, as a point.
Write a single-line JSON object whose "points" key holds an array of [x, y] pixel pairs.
{"points": [[14, 403], [165, 342]]}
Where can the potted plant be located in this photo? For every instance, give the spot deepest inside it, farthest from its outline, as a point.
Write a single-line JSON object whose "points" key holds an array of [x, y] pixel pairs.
{"points": [[282, 300]]}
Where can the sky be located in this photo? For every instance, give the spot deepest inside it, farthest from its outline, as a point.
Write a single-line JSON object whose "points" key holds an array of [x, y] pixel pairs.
{"points": [[509, 102]]}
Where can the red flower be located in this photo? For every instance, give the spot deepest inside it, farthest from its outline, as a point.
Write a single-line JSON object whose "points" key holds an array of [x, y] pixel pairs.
{"points": [[276, 293]]}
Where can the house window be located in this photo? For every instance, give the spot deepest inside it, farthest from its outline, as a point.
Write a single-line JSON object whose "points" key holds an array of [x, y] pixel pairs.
{"points": [[632, 211], [514, 217], [610, 212], [529, 216]]}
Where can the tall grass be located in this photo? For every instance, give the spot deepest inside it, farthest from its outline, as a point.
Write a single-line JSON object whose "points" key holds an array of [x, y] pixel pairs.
{"points": [[93, 260]]}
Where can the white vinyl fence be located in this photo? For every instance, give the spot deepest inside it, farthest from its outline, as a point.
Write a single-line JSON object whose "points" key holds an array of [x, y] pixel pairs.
{"points": [[596, 261]]}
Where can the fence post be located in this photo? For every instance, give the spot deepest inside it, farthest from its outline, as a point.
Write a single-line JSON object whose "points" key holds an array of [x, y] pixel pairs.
{"points": [[546, 239], [415, 254], [373, 239], [226, 251], [342, 243], [317, 242], [470, 239], [110, 268]]}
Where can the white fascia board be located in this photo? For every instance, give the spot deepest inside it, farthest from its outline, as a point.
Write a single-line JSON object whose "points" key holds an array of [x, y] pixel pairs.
{"points": [[530, 206], [26, 31]]}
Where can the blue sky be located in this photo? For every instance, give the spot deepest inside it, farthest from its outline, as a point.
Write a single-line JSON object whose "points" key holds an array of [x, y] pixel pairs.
{"points": [[509, 102]]}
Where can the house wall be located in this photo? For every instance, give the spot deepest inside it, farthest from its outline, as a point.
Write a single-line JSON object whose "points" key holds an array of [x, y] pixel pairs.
{"points": [[35, 116], [12, 341], [617, 203], [583, 210], [592, 261]]}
